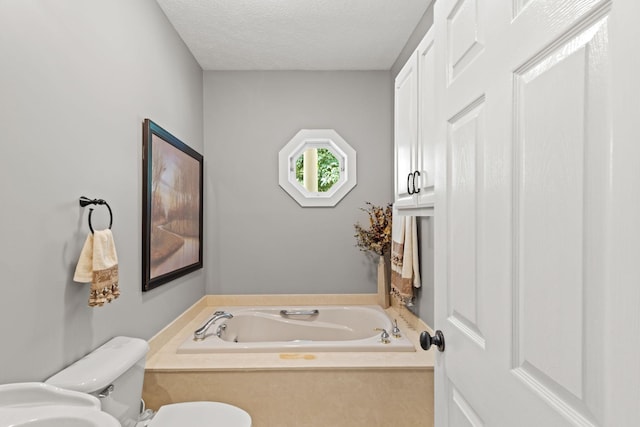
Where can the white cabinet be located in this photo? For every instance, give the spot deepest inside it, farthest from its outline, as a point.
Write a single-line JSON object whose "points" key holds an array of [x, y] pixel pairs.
{"points": [[406, 132], [415, 130]]}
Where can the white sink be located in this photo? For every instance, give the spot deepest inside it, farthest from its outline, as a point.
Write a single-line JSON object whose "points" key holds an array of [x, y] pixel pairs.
{"points": [[40, 405]]}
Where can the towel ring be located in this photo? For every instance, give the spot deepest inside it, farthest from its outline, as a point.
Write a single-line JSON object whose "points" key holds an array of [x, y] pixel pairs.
{"points": [[84, 201]]}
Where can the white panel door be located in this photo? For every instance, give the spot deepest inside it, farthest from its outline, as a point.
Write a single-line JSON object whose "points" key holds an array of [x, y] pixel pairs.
{"points": [[538, 213]]}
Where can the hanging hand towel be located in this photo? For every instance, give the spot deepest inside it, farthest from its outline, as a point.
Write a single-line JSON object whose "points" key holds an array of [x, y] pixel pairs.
{"points": [[405, 274], [98, 265]]}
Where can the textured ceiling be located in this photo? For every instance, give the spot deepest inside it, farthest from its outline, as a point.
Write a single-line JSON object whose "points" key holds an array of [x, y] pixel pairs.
{"points": [[295, 34]]}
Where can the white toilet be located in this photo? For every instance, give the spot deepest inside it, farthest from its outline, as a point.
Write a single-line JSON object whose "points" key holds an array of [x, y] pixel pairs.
{"points": [[114, 373]]}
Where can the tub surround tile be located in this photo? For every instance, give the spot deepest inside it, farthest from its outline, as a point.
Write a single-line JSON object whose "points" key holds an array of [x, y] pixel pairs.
{"points": [[366, 398], [158, 341], [292, 299], [163, 355], [162, 338], [413, 321], [311, 389]]}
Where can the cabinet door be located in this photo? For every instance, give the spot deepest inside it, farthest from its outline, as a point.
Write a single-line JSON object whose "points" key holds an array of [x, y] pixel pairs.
{"points": [[406, 131], [427, 121]]}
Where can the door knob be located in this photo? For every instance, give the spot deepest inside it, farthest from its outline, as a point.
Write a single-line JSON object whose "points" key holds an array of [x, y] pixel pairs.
{"points": [[426, 340]]}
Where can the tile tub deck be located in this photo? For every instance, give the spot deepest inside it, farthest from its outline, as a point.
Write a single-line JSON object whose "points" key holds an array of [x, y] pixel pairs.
{"points": [[296, 389]]}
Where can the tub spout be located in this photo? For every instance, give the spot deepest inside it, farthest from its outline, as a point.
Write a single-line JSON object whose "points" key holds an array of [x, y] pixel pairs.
{"points": [[199, 334]]}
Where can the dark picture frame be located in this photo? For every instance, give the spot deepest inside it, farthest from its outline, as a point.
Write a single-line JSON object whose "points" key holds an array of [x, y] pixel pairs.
{"points": [[172, 207]]}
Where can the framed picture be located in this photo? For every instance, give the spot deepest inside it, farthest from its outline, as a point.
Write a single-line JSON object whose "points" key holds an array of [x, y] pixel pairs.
{"points": [[171, 207]]}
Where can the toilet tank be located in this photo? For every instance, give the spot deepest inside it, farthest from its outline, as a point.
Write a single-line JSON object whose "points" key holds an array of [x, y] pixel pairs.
{"points": [[118, 363]]}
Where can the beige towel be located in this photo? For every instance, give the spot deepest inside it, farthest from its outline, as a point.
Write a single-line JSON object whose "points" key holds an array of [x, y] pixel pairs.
{"points": [[98, 265], [405, 262]]}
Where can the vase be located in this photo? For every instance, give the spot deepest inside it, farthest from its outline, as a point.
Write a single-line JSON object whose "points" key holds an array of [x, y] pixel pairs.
{"points": [[384, 278]]}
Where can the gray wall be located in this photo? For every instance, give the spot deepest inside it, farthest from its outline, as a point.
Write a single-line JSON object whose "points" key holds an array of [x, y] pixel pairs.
{"points": [[424, 304], [263, 241], [77, 79]]}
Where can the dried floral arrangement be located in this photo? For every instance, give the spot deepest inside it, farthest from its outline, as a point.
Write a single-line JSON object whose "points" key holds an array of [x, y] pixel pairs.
{"points": [[376, 238]]}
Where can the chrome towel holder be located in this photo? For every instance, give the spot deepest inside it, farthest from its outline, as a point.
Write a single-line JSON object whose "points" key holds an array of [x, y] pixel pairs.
{"points": [[85, 201]]}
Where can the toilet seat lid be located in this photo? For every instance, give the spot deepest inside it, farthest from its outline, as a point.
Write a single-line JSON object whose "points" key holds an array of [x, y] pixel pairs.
{"points": [[200, 414]]}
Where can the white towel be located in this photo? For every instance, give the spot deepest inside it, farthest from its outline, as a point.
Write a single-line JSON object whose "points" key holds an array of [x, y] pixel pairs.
{"points": [[98, 265], [405, 260]]}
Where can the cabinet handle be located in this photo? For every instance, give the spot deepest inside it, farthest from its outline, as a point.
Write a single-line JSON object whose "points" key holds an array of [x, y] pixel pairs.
{"points": [[415, 191], [408, 181]]}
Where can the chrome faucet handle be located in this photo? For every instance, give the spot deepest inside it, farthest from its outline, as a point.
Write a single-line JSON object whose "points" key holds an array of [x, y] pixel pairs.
{"points": [[395, 331], [220, 330], [384, 336]]}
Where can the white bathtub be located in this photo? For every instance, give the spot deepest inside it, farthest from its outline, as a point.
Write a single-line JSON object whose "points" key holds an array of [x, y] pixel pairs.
{"points": [[289, 329]]}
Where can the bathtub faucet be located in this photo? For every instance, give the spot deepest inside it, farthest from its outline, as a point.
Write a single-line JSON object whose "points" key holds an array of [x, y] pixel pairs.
{"points": [[199, 334]]}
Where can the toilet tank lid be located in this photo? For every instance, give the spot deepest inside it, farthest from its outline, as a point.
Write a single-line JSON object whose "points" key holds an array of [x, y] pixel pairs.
{"points": [[102, 366]]}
